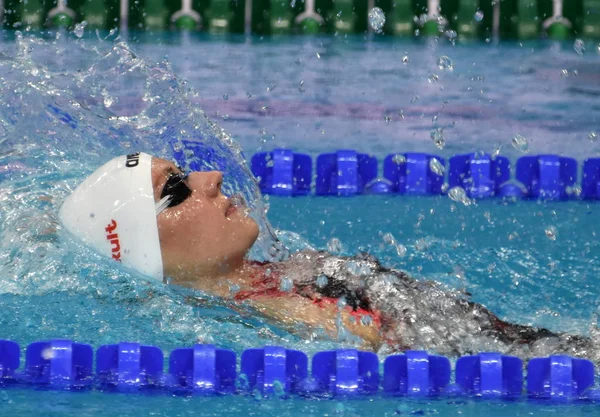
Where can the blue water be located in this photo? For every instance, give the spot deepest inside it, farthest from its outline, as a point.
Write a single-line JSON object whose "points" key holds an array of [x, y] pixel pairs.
{"points": [[68, 104]]}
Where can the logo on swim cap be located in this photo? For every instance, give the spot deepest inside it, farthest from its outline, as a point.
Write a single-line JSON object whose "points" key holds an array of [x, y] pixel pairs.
{"points": [[133, 159], [113, 238]]}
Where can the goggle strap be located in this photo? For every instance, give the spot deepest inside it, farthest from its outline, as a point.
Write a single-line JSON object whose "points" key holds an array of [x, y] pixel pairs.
{"points": [[163, 203]]}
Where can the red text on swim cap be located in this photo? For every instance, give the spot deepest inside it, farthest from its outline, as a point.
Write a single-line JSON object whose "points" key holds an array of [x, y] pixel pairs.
{"points": [[113, 238]]}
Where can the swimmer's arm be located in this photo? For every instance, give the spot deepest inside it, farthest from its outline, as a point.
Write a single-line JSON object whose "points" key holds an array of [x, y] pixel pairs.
{"points": [[297, 310]]}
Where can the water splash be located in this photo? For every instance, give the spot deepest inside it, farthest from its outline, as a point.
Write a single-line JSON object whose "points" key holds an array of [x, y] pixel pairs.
{"points": [[376, 19], [70, 112]]}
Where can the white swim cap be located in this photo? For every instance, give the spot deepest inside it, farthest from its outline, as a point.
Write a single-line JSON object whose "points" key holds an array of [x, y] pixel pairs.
{"points": [[113, 211]]}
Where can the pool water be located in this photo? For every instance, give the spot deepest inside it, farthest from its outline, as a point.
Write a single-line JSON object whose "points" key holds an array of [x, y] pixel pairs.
{"points": [[67, 104]]}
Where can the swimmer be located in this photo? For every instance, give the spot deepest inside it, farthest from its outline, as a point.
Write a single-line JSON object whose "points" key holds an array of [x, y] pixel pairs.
{"points": [[149, 215]]}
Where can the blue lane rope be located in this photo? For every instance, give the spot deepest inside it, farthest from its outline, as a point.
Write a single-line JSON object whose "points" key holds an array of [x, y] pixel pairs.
{"points": [[347, 172], [274, 370]]}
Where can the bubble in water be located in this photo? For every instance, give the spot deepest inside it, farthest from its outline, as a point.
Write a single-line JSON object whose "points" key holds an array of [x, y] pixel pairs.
{"points": [[405, 59], [225, 97], [79, 29], [399, 159], [400, 250], [436, 166], [301, 86], [478, 16], [459, 195], [551, 232], [437, 136], [598, 48], [376, 19], [334, 245], [322, 281], [445, 63], [520, 143], [366, 320], [593, 136], [579, 46]]}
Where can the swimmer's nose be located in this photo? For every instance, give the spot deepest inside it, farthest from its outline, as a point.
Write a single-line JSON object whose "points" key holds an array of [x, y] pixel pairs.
{"points": [[210, 182]]}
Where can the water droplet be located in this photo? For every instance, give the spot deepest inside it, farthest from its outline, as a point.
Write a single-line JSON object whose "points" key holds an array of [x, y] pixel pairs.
{"points": [[79, 29], [496, 151], [574, 191], [225, 97], [437, 136], [271, 87], [579, 46], [551, 232], [301, 86], [387, 118], [593, 136], [520, 143], [444, 63], [339, 14], [400, 250], [399, 159], [433, 78], [389, 238], [270, 164], [451, 34], [286, 284], [334, 245], [48, 353], [376, 19], [366, 320], [405, 59], [478, 16], [436, 166], [459, 195], [322, 281], [341, 302]]}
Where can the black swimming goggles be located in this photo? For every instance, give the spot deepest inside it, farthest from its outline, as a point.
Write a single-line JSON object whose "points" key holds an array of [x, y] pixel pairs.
{"points": [[175, 192]]}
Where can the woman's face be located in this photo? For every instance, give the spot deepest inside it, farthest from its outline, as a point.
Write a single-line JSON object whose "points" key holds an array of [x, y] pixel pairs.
{"points": [[205, 234]]}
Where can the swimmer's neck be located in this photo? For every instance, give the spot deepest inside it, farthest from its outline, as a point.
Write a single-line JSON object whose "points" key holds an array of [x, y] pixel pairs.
{"points": [[226, 283]]}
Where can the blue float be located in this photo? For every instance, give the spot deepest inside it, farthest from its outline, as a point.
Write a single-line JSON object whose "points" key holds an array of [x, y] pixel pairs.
{"points": [[10, 353], [129, 366], [590, 184], [282, 172], [344, 173], [416, 373], [411, 173], [346, 372], [202, 369], [559, 377], [547, 177], [490, 375], [274, 369], [480, 175], [59, 364]]}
